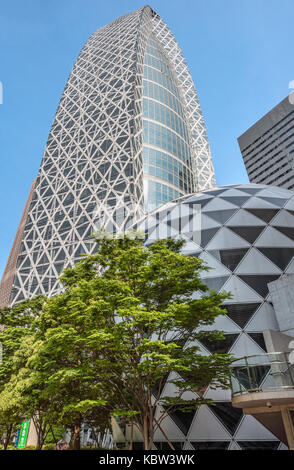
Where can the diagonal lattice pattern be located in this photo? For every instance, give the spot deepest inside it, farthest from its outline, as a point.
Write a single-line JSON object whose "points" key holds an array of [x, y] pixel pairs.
{"points": [[203, 167], [245, 234], [94, 154]]}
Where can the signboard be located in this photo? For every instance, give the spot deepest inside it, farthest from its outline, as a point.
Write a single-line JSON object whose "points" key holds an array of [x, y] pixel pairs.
{"points": [[16, 438], [23, 434]]}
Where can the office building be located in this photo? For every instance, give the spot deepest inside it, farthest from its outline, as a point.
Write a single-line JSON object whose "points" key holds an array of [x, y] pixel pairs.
{"points": [[267, 147]]}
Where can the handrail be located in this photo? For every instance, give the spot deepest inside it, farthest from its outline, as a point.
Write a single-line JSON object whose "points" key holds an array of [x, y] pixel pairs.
{"points": [[260, 355], [274, 373]]}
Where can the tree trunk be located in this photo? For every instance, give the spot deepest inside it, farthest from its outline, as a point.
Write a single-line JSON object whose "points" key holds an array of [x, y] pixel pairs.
{"points": [[132, 434], [38, 446], [76, 434], [7, 436], [53, 435], [40, 439], [145, 433], [42, 432], [164, 435], [38, 425], [147, 430]]}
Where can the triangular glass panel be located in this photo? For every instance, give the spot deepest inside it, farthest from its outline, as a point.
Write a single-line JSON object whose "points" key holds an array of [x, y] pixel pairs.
{"points": [[277, 201], [225, 239], [259, 283], [283, 219], [221, 216], [249, 233], [264, 214], [231, 258], [218, 204], [46, 193], [241, 313], [258, 338], [212, 260], [207, 235], [82, 229], [214, 253], [182, 419], [258, 445], [65, 226], [220, 346], [20, 296], [233, 191], [215, 192], [288, 231], [250, 378], [262, 265], [244, 218], [202, 202], [61, 256], [59, 267], [272, 237], [210, 445], [251, 190], [237, 200], [69, 199], [215, 283], [280, 256], [43, 259], [228, 415], [26, 264], [207, 222]]}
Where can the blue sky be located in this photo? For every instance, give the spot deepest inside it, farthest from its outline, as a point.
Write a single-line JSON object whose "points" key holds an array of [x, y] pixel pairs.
{"points": [[240, 53]]}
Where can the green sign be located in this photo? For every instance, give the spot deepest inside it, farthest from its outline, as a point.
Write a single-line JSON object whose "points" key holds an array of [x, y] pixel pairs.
{"points": [[23, 434]]}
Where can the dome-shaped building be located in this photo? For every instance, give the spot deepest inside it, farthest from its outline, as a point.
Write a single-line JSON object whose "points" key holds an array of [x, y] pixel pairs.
{"points": [[245, 234]]}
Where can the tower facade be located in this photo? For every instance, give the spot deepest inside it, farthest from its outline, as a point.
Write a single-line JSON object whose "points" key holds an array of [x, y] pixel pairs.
{"points": [[128, 135], [9, 271], [267, 147]]}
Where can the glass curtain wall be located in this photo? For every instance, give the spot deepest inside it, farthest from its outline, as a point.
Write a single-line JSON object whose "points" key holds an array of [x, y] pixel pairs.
{"points": [[166, 140]]}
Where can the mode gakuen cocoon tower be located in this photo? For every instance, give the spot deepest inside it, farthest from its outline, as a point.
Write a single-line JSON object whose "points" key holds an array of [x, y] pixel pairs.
{"points": [[128, 136]]}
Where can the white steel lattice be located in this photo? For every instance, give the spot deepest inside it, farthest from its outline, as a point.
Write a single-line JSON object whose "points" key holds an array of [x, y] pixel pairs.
{"points": [[203, 166], [93, 158]]}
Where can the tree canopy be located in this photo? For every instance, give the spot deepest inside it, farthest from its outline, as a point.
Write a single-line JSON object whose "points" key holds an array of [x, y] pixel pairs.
{"points": [[128, 321]]}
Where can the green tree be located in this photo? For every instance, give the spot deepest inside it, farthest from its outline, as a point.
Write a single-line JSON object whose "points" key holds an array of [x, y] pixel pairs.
{"points": [[20, 322], [10, 418], [65, 364], [47, 392], [113, 339]]}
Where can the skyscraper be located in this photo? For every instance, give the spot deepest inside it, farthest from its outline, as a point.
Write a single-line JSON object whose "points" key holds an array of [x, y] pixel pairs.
{"points": [[267, 147], [128, 135]]}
